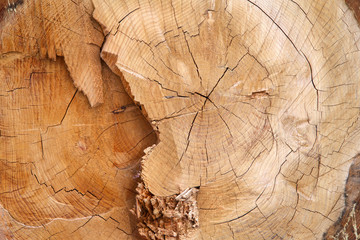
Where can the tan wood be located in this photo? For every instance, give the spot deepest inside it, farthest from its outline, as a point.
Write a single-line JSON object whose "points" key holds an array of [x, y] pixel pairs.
{"points": [[248, 111], [68, 171], [255, 102], [56, 28], [348, 226]]}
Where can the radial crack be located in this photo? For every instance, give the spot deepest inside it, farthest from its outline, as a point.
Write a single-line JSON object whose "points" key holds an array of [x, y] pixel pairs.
{"points": [[188, 139], [66, 111], [234, 219], [193, 59], [226, 69]]}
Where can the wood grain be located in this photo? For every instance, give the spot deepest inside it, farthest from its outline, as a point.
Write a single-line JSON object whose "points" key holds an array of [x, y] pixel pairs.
{"points": [[67, 170], [348, 226], [354, 5], [255, 103], [56, 28]]}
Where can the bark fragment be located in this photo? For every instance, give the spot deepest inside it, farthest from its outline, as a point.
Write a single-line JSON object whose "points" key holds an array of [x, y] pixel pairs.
{"points": [[348, 226], [171, 217]]}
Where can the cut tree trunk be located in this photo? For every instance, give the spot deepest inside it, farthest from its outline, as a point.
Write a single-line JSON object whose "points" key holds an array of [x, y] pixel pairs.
{"points": [[241, 120]]}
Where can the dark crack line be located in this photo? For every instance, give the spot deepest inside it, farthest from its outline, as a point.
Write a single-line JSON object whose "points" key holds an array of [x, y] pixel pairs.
{"points": [[302, 11], [312, 81], [317, 212], [113, 125], [257, 199], [30, 78], [42, 146], [227, 126], [142, 139], [207, 155], [159, 83], [308, 229], [252, 162], [179, 96], [138, 40], [18, 88], [174, 14], [85, 164], [229, 29], [7, 136], [33, 73], [104, 41], [206, 99], [248, 103], [117, 29], [300, 52], [234, 219], [297, 203], [229, 160], [128, 14], [52, 235], [123, 108], [279, 172], [201, 95], [338, 199], [159, 43], [66, 111], [157, 73], [61, 189], [217, 83], [129, 234], [170, 69], [206, 152], [58, 23], [258, 7], [286, 35], [237, 64], [12, 191], [233, 114], [171, 116], [193, 59], [155, 81], [232, 231], [168, 89], [82, 225], [256, 60], [188, 139]]}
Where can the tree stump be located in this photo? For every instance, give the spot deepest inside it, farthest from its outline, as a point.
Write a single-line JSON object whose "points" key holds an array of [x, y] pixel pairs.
{"points": [[247, 112]]}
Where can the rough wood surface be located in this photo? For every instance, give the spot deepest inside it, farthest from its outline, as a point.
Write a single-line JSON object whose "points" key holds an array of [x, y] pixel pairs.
{"points": [[172, 217], [354, 5], [67, 170], [255, 103], [349, 226], [56, 28]]}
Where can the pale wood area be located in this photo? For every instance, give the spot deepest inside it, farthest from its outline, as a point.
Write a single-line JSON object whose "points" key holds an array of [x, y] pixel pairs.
{"points": [[252, 103], [255, 102]]}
